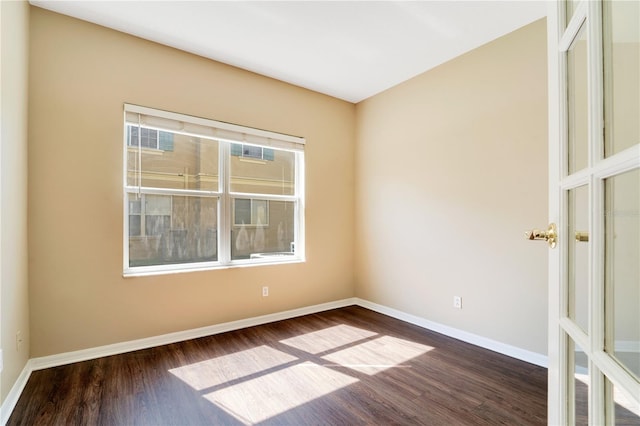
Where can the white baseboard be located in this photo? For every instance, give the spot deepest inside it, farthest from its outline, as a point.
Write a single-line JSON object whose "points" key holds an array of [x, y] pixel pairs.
{"points": [[41, 363], [180, 336], [165, 339], [474, 339], [14, 394]]}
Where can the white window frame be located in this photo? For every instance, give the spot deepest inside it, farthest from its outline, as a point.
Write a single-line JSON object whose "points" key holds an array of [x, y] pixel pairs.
{"points": [[225, 134]]}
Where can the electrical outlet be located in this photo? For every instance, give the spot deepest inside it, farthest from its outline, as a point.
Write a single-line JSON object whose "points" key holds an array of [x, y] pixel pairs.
{"points": [[457, 302], [18, 340], [265, 291]]}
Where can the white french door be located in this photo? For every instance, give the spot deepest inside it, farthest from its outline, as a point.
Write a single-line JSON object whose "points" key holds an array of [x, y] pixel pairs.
{"points": [[594, 198]]}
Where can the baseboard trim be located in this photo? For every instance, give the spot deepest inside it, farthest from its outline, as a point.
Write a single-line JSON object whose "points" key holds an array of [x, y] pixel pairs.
{"points": [[474, 339], [14, 394], [165, 339], [40, 363], [180, 336]]}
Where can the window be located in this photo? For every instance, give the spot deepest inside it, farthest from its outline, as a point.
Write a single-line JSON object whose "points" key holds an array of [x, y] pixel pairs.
{"points": [[149, 138], [252, 151], [204, 194]]}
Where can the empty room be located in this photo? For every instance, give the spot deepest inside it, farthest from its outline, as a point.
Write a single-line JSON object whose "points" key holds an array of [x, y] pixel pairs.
{"points": [[389, 212]]}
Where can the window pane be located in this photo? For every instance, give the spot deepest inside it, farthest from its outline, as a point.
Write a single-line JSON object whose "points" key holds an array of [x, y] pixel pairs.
{"points": [[177, 229], [273, 174], [577, 103], [157, 225], [242, 212], [622, 71], [157, 205], [252, 151], [134, 225], [135, 220], [250, 212], [147, 138], [135, 205], [182, 162], [622, 268], [270, 233]]}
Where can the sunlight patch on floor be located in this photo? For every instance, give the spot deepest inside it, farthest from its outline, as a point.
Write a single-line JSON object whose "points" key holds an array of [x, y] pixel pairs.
{"points": [[377, 355], [217, 371], [256, 400], [260, 383], [328, 339]]}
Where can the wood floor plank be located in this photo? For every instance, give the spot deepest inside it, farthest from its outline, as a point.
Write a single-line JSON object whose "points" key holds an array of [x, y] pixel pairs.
{"points": [[344, 366]]}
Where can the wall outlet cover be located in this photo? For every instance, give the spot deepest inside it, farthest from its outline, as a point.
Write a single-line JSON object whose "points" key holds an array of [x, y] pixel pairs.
{"points": [[457, 302]]}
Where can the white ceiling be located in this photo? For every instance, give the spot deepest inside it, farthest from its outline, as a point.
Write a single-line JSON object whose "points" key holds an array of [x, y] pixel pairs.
{"points": [[347, 49]]}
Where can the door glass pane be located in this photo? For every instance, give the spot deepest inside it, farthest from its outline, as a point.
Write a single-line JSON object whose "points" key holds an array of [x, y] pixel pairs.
{"points": [[571, 6], [171, 160], [259, 170], [622, 71], [577, 103], [625, 410], [578, 246], [622, 268], [262, 229], [579, 381]]}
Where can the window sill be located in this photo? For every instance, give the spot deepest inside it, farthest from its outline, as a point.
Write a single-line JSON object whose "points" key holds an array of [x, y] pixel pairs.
{"points": [[252, 160], [144, 271], [152, 151]]}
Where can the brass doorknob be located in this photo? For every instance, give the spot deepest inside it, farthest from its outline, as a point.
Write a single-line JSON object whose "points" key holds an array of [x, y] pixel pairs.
{"points": [[550, 235], [582, 236]]}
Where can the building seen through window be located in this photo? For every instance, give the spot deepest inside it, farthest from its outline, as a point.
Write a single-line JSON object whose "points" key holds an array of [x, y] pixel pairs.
{"points": [[201, 201]]}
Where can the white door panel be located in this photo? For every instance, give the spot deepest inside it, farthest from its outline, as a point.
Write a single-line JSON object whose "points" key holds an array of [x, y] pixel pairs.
{"points": [[594, 197]]}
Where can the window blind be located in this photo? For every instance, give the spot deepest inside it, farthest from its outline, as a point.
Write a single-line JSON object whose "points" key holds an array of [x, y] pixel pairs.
{"points": [[202, 127]]}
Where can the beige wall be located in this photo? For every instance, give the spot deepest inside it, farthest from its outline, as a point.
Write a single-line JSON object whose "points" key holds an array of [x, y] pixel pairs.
{"points": [[80, 76], [14, 307], [451, 169]]}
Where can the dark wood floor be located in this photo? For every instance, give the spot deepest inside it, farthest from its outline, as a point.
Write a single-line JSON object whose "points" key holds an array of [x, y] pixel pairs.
{"points": [[347, 366]]}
